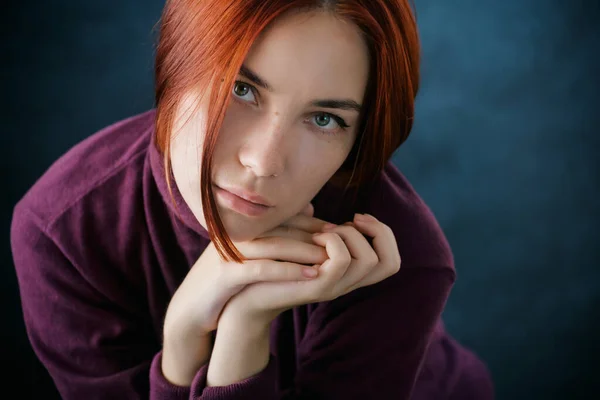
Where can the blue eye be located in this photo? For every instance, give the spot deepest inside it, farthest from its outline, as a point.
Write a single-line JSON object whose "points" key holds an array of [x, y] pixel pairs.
{"points": [[241, 89], [324, 119]]}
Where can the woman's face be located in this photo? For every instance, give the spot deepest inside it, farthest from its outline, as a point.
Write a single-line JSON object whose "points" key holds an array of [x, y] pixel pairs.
{"points": [[283, 136]]}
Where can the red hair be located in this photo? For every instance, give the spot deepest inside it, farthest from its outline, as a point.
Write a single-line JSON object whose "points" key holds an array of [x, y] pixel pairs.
{"points": [[204, 43]]}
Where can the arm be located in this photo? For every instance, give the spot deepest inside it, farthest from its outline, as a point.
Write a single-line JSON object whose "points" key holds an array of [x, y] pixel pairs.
{"points": [[92, 347], [241, 351], [183, 354]]}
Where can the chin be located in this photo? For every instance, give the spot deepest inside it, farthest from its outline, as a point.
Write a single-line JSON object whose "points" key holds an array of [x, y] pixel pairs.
{"points": [[241, 238], [240, 230], [237, 235]]}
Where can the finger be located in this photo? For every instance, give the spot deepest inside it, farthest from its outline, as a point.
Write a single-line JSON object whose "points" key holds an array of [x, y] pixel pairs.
{"points": [[364, 256], [289, 232], [305, 223], [283, 248], [324, 287], [384, 242], [356, 243], [385, 246], [253, 271], [339, 257]]}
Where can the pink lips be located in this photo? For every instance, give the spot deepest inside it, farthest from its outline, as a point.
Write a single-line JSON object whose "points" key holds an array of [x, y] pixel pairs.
{"points": [[248, 195], [240, 204]]}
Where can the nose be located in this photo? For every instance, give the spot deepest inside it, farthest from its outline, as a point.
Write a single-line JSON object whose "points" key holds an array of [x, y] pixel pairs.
{"points": [[266, 150]]}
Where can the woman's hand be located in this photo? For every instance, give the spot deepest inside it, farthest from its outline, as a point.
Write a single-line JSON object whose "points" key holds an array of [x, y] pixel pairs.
{"points": [[283, 254], [352, 263]]}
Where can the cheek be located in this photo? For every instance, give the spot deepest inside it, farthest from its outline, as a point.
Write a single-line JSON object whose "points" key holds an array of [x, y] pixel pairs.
{"points": [[186, 156], [234, 127], [318, 165], [323, 156]]}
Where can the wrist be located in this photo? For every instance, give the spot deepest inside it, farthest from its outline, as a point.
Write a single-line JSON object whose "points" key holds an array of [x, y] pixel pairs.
{"points": [[183, 354], [235, 316], [252, 324], [241, 350]]}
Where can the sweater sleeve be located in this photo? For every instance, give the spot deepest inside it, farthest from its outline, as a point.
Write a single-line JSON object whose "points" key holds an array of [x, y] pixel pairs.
{"points": [[371, 343], [92, 347], [259, 386]]}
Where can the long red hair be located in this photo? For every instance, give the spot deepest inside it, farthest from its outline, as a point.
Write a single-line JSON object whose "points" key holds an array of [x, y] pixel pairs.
{"points": [[204, 43]]}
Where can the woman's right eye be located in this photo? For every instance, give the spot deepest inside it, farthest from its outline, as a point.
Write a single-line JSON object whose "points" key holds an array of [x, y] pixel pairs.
{"points": [[242, 89]]}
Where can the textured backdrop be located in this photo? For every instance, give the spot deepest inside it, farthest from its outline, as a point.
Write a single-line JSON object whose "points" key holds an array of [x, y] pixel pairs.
{"points": [[504, 151]]}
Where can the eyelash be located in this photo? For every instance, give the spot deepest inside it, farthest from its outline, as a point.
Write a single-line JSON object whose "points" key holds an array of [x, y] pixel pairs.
{"points": [[339, 120]]}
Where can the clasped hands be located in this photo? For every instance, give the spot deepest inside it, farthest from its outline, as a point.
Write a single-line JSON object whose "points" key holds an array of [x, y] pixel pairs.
{"points": [[348, 262]]}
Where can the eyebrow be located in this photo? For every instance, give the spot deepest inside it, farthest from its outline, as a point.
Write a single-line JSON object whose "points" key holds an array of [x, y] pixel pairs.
{"points": [[345, 104]]}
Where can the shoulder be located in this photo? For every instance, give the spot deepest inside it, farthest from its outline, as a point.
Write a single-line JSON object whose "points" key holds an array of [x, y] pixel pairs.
{"points": [[75, 223], [421, 240], [91, 165]]}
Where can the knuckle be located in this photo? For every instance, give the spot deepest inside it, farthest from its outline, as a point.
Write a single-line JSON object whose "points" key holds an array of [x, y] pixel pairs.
{"points": [[372, 261], [294, 272], [388, 230], [256, 270], [346, 259], [395, 267]]}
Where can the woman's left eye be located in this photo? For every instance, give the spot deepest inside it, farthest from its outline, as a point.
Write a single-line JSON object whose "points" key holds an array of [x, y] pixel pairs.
{"points": [[241, 90], [323, 120]]}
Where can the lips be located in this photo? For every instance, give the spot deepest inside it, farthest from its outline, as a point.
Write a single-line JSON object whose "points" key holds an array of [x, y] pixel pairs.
{"points": [[248, 196], [239, 204]]}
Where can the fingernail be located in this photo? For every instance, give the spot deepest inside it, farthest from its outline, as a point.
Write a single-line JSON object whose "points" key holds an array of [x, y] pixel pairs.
{"points": [[310, 272], [329, 226]]}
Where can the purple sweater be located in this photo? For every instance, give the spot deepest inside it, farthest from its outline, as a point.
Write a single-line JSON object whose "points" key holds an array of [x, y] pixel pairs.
{"points": [[99, 252]]}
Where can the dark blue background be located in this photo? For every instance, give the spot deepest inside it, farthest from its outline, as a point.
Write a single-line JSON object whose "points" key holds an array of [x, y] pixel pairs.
{"points": [[504, 151]]}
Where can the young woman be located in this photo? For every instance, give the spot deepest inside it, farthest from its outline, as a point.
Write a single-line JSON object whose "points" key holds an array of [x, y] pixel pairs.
{"points": [[249, 238]]}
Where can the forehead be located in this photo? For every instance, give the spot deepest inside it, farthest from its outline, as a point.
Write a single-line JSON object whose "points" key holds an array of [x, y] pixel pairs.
{"points": [[312, 53]]}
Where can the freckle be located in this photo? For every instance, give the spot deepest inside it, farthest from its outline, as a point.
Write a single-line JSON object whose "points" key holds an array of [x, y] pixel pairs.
{"points": [[276, 112]]}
